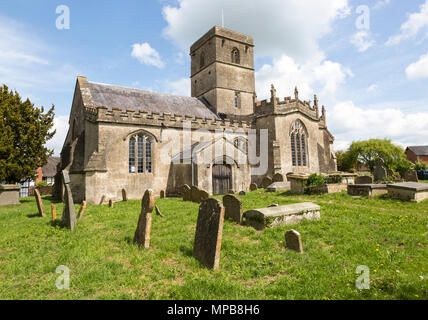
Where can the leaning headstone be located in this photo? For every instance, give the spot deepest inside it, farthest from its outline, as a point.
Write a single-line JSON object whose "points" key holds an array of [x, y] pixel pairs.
{"points": [[158, 212], [232, 208], [266, 182], [209, 231], [103, 199], [162, 194], [195, 195], [203, 195], [68, 214], [142, 234], [39, 203], [186, 193], [253, 187], [379, 171], [293, 241], [110, 203], [364, 180], [411, 176], [82, 210], [242, 193], [53, 211], [124, 195], [278, 177]]}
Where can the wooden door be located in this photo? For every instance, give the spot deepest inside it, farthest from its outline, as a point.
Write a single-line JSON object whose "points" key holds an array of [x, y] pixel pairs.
{"points": [[222, 178]]}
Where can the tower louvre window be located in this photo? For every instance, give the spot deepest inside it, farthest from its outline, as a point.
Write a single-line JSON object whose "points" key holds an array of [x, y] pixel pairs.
{"points": [[237, 100], [298, 139], [236, 56]]}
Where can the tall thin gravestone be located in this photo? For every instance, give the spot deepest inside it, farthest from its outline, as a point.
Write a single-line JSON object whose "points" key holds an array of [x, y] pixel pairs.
{"points": [[142, 234], [209, 231], [186, 193], [82, 210], [379, 171], [124, 195], [53, 211], [68, 215], [232, 208], [39, 203]]}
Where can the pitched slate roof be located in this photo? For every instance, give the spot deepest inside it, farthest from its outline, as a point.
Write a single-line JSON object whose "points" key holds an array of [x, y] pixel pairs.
{"points": [[111, 96], [419, 150]]}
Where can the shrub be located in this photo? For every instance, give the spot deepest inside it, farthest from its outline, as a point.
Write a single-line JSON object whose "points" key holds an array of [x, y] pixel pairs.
{"points": [[315, 180], [420, 166], [41, 184]]}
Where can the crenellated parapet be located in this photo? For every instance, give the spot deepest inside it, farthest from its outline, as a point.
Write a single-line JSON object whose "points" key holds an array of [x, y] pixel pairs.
{"points": [[130, 116], [275, 106]]}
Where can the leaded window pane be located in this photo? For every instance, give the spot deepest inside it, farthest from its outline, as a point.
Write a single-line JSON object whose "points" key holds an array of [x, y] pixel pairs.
{"points": [[132, 155], [140, 154], [148, 156]]}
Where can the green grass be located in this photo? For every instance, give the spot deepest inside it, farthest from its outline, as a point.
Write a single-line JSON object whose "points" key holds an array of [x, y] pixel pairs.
{"points": [[388, 236], [423, 181]]}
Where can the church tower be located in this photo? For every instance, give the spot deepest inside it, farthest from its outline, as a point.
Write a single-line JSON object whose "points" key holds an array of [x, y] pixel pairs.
{"points": [[222, 71]]}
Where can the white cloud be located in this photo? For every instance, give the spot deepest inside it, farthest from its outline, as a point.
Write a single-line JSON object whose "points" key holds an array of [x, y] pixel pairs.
{"points": [[146, 55], [418, 69], [180, 87], [373, 88], [61, 127], [316, 74], [278, 26], [362, 40], [351, 123], [415, 23], [380, 4]]}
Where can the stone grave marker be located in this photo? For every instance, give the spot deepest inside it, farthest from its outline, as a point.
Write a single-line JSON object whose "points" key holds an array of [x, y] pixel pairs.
{"points": [[278, 177], [253, 187], [379, 171], [82, 210], [209, 231], [230, 191], [266, 182], [364, 180], [158, 212], [68, 214], [110, 203], [232, 208], [195, 195], [162, 194], [124, 195], [186, 193], [142, 234], [293, 241], [203, 195], [39, 203], [242, 193], [103, 199], [411, 176]]}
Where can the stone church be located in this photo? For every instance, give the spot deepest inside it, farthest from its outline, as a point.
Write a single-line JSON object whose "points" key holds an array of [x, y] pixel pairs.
{"points": [[220, 138]]}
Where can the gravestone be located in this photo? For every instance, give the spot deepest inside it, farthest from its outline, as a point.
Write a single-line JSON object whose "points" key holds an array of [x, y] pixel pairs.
{"points": [[124, 195], [142, 234], [278, 186], [364, 180], [68, 214], [232, 208], [39, 203], [278, 177], [253, 187], [230, 191], [103, 199], [186, 193], [266, 182], [53, 211], [110, 203], [195, 195], [203, 195], [162, 194], [82, 210], [411, 176], [379, 171], [209, 231], [293, 241], [242, 193], [158, 212]]}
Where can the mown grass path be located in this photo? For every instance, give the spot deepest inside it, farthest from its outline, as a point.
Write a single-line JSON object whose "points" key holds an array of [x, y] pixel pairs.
{"points": [[388, 236]]}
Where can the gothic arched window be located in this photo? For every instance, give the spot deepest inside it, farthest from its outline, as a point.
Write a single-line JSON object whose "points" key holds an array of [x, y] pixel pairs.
{"points": [[202, 60], [236, 56], [140, 160], [299, 151]]}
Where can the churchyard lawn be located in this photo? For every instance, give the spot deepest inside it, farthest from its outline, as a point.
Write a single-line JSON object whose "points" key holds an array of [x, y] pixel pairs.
{"points": [[388, 236]]}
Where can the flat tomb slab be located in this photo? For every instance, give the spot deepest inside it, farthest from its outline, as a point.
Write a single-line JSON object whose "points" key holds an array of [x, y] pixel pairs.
{"points": [[9, 195], [409, 191], [367, 189], [278, 186], [282, 215]]}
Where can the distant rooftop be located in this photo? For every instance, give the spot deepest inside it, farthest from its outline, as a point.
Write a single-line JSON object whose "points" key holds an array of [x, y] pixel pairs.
{"points": [[419, 150], [111, 96]]}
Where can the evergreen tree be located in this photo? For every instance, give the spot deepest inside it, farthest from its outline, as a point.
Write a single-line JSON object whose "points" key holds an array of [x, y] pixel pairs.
{"points": [[24, 130]]}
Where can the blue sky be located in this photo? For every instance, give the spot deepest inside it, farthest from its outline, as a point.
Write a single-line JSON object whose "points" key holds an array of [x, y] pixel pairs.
{"points": [[372, 73]]}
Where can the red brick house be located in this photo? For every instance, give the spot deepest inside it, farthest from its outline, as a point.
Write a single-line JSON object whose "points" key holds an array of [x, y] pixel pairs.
{"points": [[417, 154]]}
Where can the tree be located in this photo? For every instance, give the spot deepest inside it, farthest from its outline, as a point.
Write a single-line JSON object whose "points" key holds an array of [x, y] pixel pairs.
{"points": [[24, 132], [345, 161], [366, 152]]}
